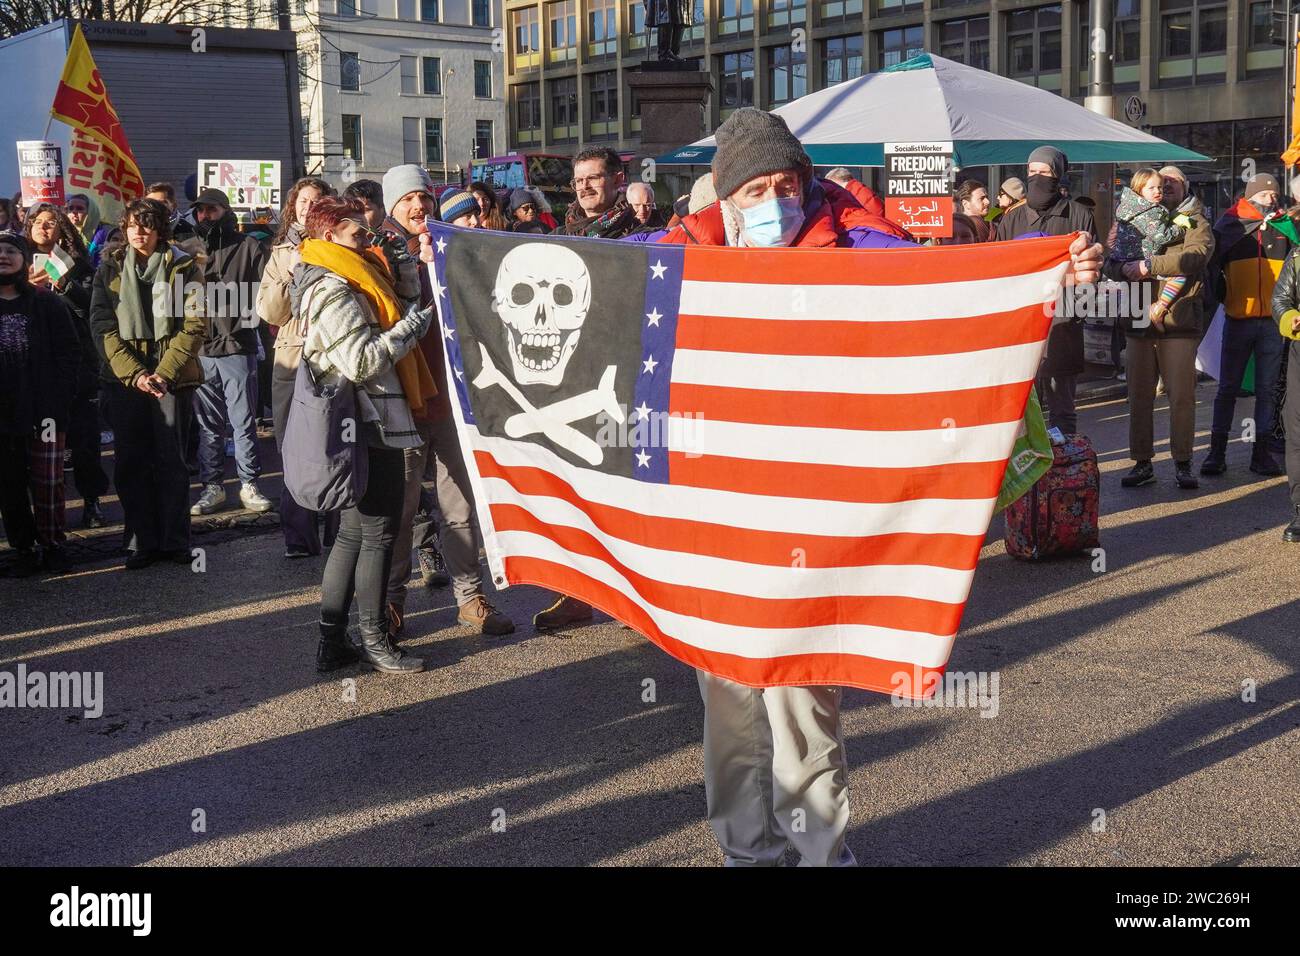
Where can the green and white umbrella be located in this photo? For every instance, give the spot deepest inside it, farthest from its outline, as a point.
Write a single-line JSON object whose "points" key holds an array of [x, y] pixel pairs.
{"points": [[989, 119]]}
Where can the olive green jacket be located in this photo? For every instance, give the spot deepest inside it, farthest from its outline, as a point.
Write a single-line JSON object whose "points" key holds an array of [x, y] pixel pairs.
{"points": [[174, 358]]}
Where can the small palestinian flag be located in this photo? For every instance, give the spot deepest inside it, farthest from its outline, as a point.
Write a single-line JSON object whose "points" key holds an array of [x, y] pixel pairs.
{"points": [[57, 264]]}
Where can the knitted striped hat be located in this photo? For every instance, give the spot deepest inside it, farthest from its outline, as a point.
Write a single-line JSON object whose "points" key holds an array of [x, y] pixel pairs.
{"points": [[456, 203]]}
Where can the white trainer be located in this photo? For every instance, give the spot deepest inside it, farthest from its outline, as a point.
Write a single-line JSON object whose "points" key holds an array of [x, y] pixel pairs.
{"points": [[252, 499], [213, 497]]}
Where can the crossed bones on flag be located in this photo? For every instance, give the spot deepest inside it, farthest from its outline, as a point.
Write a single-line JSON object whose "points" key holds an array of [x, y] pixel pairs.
{"points": [[555, 421]]}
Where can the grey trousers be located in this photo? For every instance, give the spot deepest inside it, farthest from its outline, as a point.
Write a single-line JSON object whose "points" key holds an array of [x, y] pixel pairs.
{"points": [[774, 773], [458, 541]]}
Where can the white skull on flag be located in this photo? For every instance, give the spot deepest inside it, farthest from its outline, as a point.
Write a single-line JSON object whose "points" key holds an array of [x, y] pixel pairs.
{"points": [[542, 295]]}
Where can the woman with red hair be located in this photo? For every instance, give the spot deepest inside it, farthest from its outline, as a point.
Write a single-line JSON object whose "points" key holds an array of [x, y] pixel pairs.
{"points": [[359, 330]]}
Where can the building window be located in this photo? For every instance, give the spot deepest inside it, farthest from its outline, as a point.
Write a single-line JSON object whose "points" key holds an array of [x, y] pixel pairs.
{"points": [[1193, 42], [787, 13], [564, 109], [836, 11], [966, 41], [634, 16], [895, 46], [483, 79], [881, 7], [694, 34], [1034, 46], [633, 111], [352, 137], [735, 17], [1261, 53], [483, 146], [602, 27], [481, 12], [349, 72], [410, 79], [1125, 44], [411, 140], [736, 80], [526, 111], [841, 59], [602, 105], [429, 11], [432, 141], [347, 8], [524, 34], [787, 74], [432, 69], [563, 32]]}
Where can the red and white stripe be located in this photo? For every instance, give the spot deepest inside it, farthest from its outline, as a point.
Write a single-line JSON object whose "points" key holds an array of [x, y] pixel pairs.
{"points": [[845, 435]]}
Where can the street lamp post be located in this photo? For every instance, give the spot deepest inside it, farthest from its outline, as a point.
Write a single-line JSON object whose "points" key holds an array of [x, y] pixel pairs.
{"points": [[447, 73]]}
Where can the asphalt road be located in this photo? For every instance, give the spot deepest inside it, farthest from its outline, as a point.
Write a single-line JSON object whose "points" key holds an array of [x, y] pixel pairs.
{"points": [[1120, 702]]}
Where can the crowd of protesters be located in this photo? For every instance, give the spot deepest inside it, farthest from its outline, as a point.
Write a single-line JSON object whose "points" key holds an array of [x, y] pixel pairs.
{"points": [[180, 385], [93, 337]]}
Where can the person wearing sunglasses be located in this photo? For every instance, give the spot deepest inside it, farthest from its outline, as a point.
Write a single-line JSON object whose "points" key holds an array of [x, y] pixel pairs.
{"points": [[524, 214]]}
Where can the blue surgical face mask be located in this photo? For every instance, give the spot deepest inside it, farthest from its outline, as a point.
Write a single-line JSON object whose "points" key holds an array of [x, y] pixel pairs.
{"points": [[773, 222]]}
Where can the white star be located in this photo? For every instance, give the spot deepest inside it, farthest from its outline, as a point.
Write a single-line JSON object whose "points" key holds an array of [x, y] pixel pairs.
{"points": [[438, 289], [642, 460], [654, 316], [643, 411], [659, 269], [441, 244], [448, 332], [649, 364], [458, 373]]}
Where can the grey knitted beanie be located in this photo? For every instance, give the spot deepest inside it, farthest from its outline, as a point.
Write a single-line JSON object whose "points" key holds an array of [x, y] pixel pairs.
{"points": [[753, 142]]}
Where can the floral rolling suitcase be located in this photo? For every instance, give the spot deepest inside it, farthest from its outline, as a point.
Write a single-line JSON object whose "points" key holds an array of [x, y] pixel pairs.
{"points": [[1059, 513]]}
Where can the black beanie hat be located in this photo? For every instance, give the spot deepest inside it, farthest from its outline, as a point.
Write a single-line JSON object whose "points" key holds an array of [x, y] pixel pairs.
{"points": [[753, 142], [19, 242]]}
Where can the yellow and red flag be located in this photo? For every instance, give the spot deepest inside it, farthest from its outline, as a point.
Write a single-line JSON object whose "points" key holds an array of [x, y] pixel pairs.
{"points": [[100, 162]]}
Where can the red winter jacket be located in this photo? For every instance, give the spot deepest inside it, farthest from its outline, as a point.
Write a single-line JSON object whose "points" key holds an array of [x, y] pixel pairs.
{"points": [[835, 217]]}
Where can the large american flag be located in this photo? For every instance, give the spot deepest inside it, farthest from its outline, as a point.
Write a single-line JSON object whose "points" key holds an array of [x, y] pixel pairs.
{"points": [[825, 433]]}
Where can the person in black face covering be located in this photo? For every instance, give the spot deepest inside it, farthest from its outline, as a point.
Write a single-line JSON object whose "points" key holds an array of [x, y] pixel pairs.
{"points": [[1047, 211], [232, 266]]}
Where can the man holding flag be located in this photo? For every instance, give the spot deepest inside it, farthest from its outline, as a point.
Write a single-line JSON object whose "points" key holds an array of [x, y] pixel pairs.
{"points": [[800, 382]]}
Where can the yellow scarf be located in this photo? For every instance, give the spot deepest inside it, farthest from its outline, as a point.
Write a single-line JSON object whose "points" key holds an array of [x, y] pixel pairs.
{"points": [[367, 274]]}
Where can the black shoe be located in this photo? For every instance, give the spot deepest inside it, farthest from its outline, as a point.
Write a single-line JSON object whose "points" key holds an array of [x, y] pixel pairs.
{"points": [[335, 650], [1142, 474], [1183, 475], [56, 560], [141, 559], [28, 563], [1216, 462], [1291, 534], [382, 656], [91, 515], [296, 552], [177, 556], [1263, 463]]}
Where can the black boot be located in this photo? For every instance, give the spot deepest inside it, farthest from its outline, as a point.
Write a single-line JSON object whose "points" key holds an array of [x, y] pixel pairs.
{"points": [[381, 655], [1291, 533], [1141, 474], [1216, 461], [1263, 463], [1183, 475], [91, 515], [335, 650]]}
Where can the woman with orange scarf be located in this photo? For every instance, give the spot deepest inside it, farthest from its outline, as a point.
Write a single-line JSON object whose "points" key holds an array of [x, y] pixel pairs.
{"points": [[359, 330]]}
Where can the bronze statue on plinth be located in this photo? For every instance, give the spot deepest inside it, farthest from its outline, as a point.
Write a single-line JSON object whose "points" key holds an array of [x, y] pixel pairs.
{"points": [[670, 18]]}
